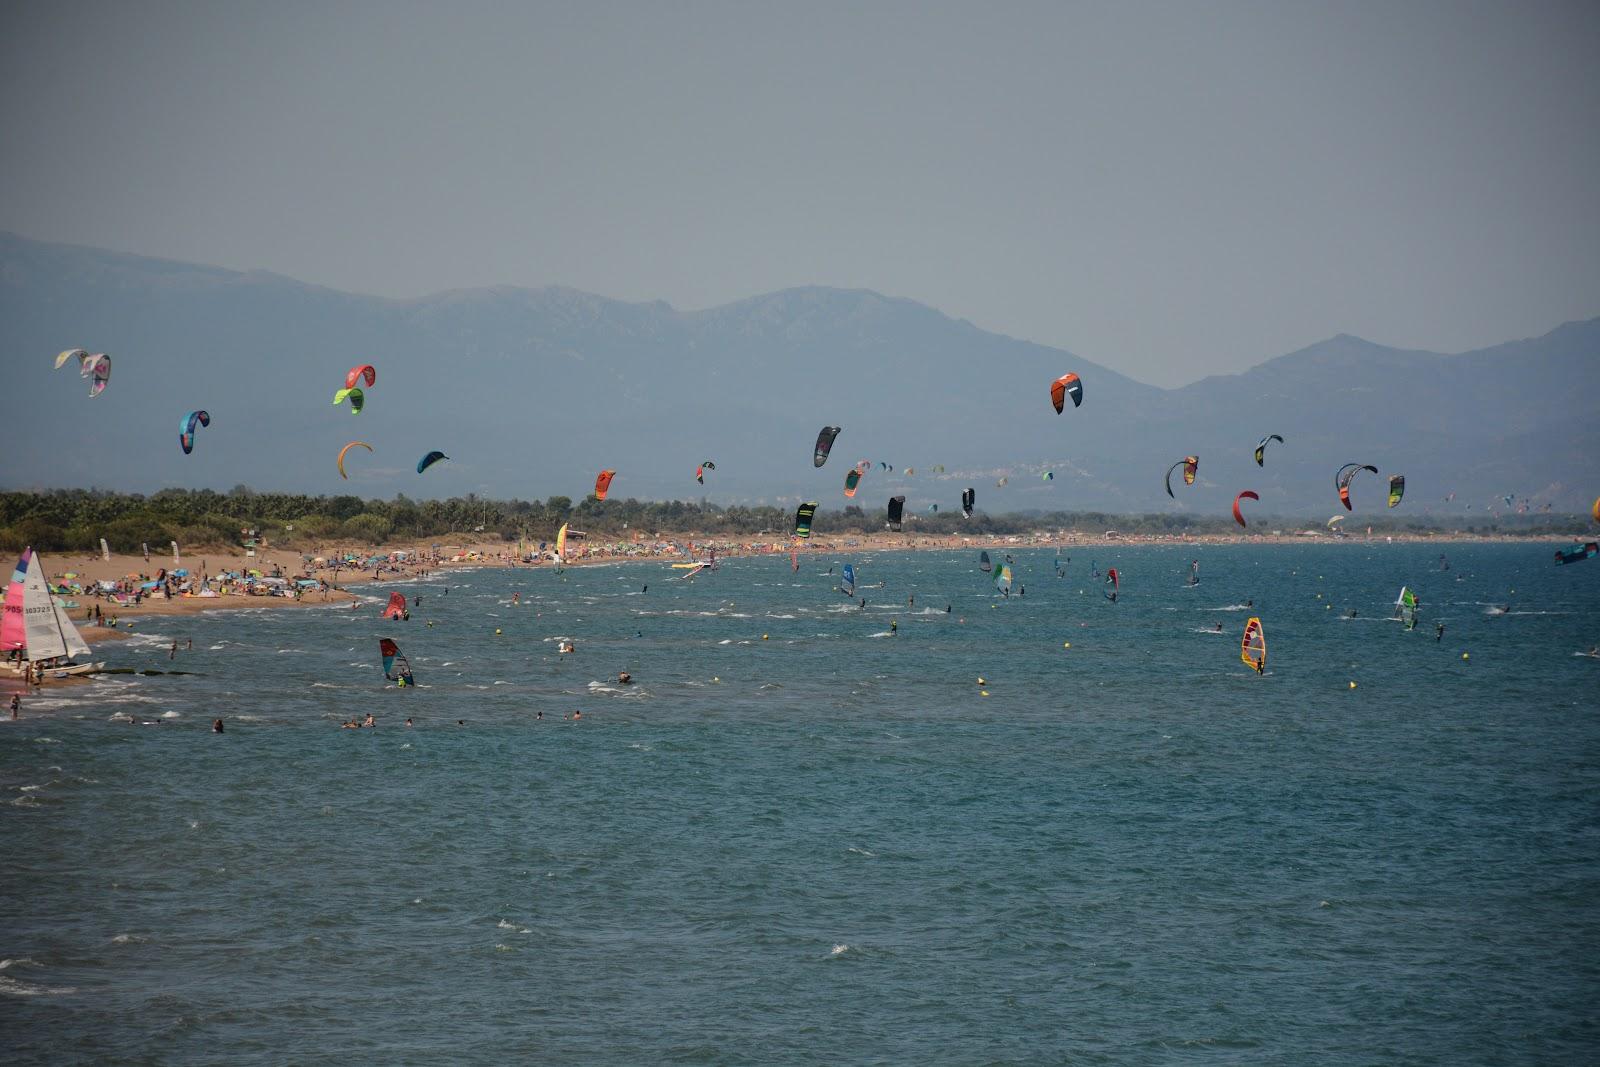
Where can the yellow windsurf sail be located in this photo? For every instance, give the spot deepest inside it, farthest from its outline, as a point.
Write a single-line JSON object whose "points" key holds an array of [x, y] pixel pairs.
{"points": [[1253, 649]]}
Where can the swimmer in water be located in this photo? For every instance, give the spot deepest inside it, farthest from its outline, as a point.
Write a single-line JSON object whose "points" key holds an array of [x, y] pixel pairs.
{"points": [[624, 678]]}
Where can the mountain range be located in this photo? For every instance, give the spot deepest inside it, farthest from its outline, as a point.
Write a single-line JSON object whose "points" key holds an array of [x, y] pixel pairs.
{"points": [[532, 391]]}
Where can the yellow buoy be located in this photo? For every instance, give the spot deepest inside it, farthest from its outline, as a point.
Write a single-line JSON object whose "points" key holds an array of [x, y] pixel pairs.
{"points": [[1465, 656], [1352, 685], [1066, 644], [763, 637], [497, 629], [983, 692], [980, 679]]}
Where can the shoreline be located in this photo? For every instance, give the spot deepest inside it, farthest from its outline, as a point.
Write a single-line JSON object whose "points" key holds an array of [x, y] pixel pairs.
{"points": [[406, 563]]}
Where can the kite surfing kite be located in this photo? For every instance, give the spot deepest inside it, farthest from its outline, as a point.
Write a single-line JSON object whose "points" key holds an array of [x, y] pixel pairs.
{"points": [[1397, 489], [933, 509], [94, 366], [700, 471], [1595, 511], [1578, 553], [802, 519], [343, 451], [1253, 649], [938, 468], [1238, 516], [1190, 465], [824, 445], [429, 460], [97, 368], [1342, 481], [186, 427], [1063, 387], [1261, 448], [602, 484], [1048, 476], [968, 498], [852, 479], [357, 398], [897, 508], [1001, 484], [395, 666], [365, 371]]}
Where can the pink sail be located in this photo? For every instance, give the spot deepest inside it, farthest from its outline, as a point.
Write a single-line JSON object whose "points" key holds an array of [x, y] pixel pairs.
{"points": [[11, 628]]}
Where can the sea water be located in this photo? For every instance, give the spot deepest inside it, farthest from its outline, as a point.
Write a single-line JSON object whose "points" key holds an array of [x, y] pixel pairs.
{"points": [[809, 833]]}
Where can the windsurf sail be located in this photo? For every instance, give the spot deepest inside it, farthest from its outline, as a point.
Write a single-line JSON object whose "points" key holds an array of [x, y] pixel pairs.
{"points": [[1405, 607], [1253, 649], [396, 667], [397, 606], [561, 544], [1002, 578], [983, 562], [11, 629], [848, 585]]}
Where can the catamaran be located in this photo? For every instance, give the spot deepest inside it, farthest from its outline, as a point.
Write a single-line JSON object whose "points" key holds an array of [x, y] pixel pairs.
{"points": [[37, 625]]}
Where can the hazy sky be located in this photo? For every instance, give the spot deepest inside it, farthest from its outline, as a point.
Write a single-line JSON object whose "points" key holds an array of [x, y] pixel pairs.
{"points": [[1169, 189]]}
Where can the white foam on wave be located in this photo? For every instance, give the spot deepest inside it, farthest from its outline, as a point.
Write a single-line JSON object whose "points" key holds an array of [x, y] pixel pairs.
{"points": [[881, 633], [172, 714], [498, 682], [129, 939], [860, 851], [147, 640], [507, 925], [839, 950], [1233, 607], [12, 986]]}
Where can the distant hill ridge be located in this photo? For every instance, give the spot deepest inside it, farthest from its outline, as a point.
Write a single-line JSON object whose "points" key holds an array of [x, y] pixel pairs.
{"points": [[530, 391]]}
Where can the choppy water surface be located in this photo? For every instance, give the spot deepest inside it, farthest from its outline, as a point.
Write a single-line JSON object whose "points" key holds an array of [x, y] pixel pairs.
{"points": [[798, 839]]}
